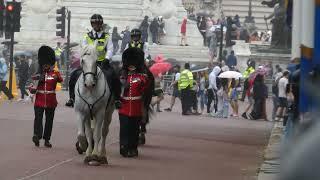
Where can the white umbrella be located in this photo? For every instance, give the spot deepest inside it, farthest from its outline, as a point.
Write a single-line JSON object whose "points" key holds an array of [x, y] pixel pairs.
{"points": [[230, 75]]}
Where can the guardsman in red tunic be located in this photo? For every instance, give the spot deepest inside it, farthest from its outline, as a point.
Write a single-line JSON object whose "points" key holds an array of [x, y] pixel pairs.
{"points": [[134, 85], [45, 94]]}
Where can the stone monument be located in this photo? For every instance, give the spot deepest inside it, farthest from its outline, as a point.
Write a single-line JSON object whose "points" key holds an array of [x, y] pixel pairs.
{"points": [[281, 34]]}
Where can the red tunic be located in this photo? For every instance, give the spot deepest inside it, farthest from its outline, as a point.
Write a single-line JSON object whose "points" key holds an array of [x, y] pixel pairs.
{"points": [[45, 92], [131, 100]]}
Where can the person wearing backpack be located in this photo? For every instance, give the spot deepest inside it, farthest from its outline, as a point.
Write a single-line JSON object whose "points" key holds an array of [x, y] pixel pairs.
{"points": [[212, 89]]}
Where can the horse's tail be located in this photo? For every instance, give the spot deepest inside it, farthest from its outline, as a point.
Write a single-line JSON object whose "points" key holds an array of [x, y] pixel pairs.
{"points": [[148, 97]]}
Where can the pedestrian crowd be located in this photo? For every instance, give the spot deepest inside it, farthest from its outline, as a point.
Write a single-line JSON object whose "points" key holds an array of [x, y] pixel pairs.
{"points": [[206, 92]]}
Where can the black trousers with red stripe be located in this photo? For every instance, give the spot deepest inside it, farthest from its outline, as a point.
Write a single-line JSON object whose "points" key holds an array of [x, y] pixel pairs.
{"points": [[38, 121], [129, 132]]}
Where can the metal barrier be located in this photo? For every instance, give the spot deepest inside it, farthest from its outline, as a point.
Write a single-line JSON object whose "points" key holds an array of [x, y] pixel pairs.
{"points": [[166, 82]]}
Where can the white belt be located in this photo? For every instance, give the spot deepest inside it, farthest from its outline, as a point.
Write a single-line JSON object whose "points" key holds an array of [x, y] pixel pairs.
{"points": [[132, 98], [46, 92]]}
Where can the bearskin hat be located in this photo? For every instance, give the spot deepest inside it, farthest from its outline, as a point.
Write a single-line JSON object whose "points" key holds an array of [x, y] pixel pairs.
{"points": [[133, 57], [46, 55]]}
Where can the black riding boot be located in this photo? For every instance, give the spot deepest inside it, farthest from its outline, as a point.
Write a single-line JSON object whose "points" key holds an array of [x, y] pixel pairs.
{"points": [[72, 83], [113, 81]]}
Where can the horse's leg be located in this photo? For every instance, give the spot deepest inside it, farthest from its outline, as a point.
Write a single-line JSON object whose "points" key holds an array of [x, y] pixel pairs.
{"points": [[81, 134], [88, 132], [97, 131], [105, 131]]}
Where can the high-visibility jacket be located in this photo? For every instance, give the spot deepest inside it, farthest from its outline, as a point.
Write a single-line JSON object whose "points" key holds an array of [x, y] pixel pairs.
{"points": [[138, 45], [101, 46], [185, 80], [58, 52], [247, 72]]}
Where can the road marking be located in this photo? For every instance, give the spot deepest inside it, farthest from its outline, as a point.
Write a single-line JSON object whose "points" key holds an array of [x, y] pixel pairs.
{"points": [[42, 171], [56, 165]]}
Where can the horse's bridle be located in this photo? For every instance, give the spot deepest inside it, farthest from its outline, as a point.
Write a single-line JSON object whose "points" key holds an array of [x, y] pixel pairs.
{"points": [[91, 105], [95, 75]]}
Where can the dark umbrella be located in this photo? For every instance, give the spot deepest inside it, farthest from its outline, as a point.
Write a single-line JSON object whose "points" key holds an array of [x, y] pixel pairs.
{"points": [[23, 53], [173, 61], [197, 67]]}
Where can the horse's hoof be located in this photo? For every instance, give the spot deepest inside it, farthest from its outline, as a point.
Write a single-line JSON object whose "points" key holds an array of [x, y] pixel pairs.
{"points": [[94, 161], [82, 142], [87, 159], [142, 139], [103, 160], [80, 151]]}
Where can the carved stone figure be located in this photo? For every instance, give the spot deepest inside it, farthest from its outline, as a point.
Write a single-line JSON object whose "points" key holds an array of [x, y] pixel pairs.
{"points": [[280, 31], [164, 8]]}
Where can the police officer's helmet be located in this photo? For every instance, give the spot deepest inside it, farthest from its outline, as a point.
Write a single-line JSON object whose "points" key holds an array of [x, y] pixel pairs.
{"points": [[96, 18], [136, 33]]}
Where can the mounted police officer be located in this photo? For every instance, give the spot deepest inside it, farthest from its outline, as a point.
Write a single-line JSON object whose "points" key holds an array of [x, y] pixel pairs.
{"points": [[136, 42], [105, 52]]}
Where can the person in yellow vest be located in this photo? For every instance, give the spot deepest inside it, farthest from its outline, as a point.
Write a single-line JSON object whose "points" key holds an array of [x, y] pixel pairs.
{"points": [[58, 52], [105, 52], [136, 42], [250, 69], [185, 85]]}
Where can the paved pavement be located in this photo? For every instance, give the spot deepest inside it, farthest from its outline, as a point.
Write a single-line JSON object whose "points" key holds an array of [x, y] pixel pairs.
{"points": [[178, 147], [270, 168]]}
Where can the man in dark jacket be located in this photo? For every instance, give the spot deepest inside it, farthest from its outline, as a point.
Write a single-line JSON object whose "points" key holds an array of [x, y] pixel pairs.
{"points": [[23, 75], [260, 93], [144, 29], [154, 26], [231, 60], [125, 39]]}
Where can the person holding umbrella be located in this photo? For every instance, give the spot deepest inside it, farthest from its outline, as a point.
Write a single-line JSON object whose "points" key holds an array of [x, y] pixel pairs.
{"points": [[174, 84], [157, 69]]}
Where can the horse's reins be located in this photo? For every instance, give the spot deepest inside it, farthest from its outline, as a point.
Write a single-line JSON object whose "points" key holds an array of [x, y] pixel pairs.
{"points": [[91, 106]]}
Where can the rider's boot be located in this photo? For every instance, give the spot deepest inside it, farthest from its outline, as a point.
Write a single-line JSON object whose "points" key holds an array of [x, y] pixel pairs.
{"points": [[142, 139], [72, 83], [113, 79], [70, 103]]}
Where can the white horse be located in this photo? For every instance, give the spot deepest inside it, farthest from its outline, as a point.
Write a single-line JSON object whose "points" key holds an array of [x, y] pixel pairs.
{"points": [[94, 107]]}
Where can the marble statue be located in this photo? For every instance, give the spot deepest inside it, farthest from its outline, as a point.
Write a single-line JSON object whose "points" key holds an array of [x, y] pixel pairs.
{"points": [[164, 8], [280, 31]]}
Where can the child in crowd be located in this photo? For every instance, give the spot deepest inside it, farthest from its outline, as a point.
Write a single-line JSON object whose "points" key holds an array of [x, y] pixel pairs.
{"points": [[222, 99], [225, 97], [233, 93]]}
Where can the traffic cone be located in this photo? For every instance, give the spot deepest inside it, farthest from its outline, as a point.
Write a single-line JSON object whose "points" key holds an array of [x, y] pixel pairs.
{"points": [[58, 87], [14, 86]]}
